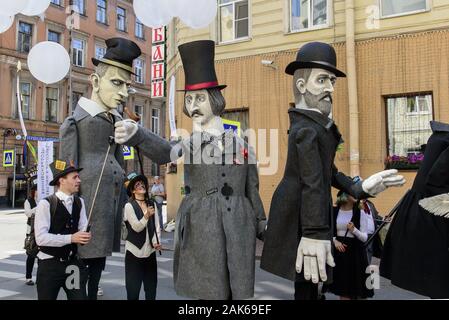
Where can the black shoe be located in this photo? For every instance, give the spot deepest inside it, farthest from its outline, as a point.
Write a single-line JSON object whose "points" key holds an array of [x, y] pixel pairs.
{"points": [[29, 282]]}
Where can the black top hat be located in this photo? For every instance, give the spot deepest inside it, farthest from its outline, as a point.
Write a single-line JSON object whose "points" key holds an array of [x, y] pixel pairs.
{"points": [[60, 169], [132, 179], [315, 55], [120, 53], [199, 65]]}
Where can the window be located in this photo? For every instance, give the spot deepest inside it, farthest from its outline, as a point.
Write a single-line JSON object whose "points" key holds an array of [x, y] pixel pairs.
{"points": [[234, 20], [139, 30], [52, 104], [79, 6], [121, 19], [139, 65], [25, 37], [408, 120], [399, 7], [25, 93], [78, 47], [155, 121], [54, 36], [57, 2], [139, 111], [155, 169], [308, 14], [76, 96], [100, 51], [101, 11]]}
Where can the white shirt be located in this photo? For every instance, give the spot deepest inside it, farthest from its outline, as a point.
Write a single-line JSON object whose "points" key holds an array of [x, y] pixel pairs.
{"points": [[29, 213], [43, 219], [140, 226], [366, 225], [94, 109]]}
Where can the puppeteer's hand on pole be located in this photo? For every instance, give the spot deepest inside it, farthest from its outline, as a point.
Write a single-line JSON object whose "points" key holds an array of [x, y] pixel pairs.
{"points": [[314, 255], [125, 130], [382, 180]]}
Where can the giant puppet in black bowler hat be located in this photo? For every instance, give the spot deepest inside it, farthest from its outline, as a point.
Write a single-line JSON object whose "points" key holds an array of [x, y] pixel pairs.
{"points": [[299, 232], [86, 138]]}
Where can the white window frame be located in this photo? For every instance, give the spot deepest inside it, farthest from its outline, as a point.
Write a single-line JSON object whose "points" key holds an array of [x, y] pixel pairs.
{"points": [[310, 28], [248, 37], [139, 23], [102, 47], [83, 54], [140, 112], [125, 29], [30, 104], [57, 104], [428, 8], [142, 69], [156, 119], [419, 112], [105, 12], [75, 5]]}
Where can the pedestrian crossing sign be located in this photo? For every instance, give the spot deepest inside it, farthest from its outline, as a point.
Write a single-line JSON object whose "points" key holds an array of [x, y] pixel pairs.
{"points": [[128, 153], [8, 158]]}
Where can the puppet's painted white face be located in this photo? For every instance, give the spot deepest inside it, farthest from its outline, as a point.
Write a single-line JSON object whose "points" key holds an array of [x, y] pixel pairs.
{"points": [[198, 106], [317, 91], [113, 87]]}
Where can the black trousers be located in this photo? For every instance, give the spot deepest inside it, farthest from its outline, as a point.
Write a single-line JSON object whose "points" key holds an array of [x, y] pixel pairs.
{"points": [[95, 267], [306, 290], [53, 274], [138, 270], [29, 266]]}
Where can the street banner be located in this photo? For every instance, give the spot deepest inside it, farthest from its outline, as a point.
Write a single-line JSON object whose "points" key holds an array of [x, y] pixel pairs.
{"points": [[44, 174]]}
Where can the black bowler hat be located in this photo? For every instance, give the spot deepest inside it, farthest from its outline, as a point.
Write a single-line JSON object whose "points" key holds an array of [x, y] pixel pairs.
{"points": [[199, 65], [132, 179], [60, 169], [120, 53], [315, 55]]}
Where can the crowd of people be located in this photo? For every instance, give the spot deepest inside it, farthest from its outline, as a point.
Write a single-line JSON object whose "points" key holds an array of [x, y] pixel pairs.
{"points": [[58, 223]]}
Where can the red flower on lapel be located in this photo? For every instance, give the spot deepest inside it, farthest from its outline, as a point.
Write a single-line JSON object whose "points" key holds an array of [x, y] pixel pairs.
{"points": [[244, 152]]}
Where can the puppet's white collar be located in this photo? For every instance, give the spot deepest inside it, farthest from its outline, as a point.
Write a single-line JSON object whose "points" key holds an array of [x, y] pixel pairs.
{"points": [[93, 108]]}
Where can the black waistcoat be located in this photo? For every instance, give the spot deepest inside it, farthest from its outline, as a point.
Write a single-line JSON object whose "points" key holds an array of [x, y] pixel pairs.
{"points": [[138, 238], [62, 222]]}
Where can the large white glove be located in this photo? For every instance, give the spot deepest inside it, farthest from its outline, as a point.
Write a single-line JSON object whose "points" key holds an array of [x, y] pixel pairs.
{"points": [[125, 130], [380, 181], [315, 254]]}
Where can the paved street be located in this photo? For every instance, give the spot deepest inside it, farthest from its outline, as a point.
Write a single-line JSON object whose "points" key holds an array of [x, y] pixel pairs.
{"points": [[12, 271]]}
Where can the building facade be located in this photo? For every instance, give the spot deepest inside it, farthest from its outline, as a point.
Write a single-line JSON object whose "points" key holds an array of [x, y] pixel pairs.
{"points": [[395, 53], [45, 107]]}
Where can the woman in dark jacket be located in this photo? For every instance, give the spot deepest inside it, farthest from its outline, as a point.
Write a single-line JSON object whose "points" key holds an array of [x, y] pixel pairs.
{"points": [[352, 226]]}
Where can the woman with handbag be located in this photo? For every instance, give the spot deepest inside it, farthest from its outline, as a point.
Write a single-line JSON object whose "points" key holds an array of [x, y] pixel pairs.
{"points": [[30, 211], [352, 224]]}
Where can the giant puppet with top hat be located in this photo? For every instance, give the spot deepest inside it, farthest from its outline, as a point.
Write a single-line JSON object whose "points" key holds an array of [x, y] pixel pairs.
{"points": [[222, 213], [299, 232], [87, 138]]}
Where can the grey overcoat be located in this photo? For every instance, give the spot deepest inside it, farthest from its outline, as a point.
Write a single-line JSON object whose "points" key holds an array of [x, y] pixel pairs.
{"points": [[84, 139], [218, 220]]}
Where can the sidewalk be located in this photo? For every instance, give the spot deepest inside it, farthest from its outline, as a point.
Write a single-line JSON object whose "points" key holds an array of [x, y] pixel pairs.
{"points": [[8, 210]]}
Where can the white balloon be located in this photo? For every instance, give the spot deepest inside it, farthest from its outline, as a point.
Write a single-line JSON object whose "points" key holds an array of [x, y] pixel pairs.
{"points": [[48, 62], [12, 7], [5, 22], [36, 7], [197, 14], [154, 13]]}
